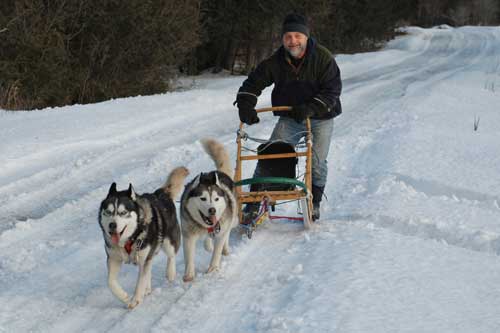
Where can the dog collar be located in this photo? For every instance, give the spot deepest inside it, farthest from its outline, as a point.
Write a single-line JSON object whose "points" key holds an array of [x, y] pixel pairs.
{"points": [[135, 238], [128, 246], [212, 231]]}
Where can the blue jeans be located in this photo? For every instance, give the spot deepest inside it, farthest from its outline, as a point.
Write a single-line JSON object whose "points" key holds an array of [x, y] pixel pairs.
{"points": [[289, 130]]}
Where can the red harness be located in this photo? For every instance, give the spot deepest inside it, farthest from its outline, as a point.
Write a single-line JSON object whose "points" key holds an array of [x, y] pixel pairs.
{"points": [[128, 246], [214, 230]]}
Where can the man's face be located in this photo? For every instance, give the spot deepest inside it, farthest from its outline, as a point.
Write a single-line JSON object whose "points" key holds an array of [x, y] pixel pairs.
{"points": [[295, 43]]}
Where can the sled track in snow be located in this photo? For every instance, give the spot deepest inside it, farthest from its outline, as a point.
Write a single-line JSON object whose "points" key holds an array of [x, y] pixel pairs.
{"points": [[370, 163], [48, 189], [474, 240]]}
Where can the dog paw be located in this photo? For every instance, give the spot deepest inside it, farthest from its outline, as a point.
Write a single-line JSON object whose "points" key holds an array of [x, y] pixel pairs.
{"points": [[212, 269], [133, 303], [225, 252], [187, 278], [147, 291]]}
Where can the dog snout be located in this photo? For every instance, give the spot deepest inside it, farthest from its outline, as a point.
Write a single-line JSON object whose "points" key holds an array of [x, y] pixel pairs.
{"points": [[211, 211], [112, 226]]}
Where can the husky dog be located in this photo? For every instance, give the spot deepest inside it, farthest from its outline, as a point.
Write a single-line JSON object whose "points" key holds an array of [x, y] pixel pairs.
{"points": [[135, 227], [209, 209]]}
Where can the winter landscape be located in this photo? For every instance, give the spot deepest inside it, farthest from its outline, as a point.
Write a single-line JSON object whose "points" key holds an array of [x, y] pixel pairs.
{"points": [[409, 238]]}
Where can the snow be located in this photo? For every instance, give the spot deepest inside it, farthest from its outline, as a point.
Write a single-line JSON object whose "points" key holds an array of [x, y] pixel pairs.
{"points": [[409, 237]]}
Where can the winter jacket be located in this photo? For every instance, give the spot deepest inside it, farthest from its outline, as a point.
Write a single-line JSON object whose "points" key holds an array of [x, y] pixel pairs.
{"points": [[316, 78]]}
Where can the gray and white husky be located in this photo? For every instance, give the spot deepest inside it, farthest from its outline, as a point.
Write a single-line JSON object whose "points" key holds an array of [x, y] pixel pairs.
{"points": [[135, 227], [209, 209]]}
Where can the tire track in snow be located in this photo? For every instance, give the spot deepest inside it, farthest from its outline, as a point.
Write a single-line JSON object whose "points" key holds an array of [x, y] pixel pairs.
{"points": [[469, 239], [49, 189]]}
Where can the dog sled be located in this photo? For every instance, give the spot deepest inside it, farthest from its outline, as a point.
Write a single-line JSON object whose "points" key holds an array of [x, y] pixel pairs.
{"points": [[279, 183]]}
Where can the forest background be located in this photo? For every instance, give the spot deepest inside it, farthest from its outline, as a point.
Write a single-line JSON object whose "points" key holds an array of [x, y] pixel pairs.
{"points": [[62, 52]]}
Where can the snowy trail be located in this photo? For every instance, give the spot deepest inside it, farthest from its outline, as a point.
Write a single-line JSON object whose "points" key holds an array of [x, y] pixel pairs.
{"points": [[409, 239], [90, 162]]}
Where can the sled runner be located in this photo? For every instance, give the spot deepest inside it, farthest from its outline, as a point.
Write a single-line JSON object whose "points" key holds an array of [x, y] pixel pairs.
{"points": [[278, 182]]}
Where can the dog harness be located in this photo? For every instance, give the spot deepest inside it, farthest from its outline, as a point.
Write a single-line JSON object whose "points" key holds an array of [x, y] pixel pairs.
{"points": [[129, 245], [136, 241], [212, 231]]}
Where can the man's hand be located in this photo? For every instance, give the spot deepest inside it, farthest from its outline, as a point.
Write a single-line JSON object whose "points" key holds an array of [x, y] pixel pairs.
{"points": [[315, 108], [246, 109], [301, 112], [248, 115]]}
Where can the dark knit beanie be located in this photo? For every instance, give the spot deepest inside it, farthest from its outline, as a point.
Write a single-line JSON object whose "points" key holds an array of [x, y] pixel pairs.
{"points": [[295, 23]]}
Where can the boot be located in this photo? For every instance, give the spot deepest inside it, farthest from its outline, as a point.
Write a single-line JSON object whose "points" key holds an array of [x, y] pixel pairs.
{"points": [[315, 214], [317, 192], [250, 212]]}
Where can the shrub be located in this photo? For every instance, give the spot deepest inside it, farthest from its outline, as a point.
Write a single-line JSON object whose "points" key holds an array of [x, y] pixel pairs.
{"points": [[62, 52]]}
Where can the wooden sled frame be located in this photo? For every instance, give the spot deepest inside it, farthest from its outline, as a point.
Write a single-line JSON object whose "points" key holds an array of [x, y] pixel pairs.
{"points": [[303, 195]]}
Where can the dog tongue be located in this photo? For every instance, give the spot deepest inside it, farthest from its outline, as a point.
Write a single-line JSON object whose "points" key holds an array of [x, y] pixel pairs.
{"points": [[213, 219], [115, 238]]}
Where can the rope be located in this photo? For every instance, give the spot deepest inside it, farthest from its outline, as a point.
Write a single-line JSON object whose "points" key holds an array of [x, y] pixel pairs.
{"points": [[285, 202], [244, 136], [264, 212]]}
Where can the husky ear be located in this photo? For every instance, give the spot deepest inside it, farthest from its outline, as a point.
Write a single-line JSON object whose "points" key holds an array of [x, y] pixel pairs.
{"points": [[217, 179], [131, 192], [196, 181], [112, 189]]}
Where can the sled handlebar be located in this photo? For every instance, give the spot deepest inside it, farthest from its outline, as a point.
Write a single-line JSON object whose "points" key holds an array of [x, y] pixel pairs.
{"points": [[277, 109], [274, 109], [269, 109]]}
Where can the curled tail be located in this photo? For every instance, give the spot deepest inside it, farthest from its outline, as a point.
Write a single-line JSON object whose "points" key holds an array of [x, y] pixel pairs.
{"points": [[219, 155], [175, 182]]}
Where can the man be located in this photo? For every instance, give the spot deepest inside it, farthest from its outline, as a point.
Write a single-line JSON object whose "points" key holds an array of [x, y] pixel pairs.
{"points": [[306, 77]]}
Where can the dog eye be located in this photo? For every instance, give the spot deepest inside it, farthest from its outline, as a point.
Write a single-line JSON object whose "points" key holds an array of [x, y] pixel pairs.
{"points": [[107, 213], [123, 213], [216, 199], [203, 199]]}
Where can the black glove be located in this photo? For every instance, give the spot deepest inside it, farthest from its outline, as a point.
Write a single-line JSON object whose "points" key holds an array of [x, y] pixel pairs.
{"points": [[301, 112], [314, 108], [246, 108]]}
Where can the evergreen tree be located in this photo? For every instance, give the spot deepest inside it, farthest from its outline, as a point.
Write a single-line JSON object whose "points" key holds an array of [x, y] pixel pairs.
{"points": [[63, 52]]}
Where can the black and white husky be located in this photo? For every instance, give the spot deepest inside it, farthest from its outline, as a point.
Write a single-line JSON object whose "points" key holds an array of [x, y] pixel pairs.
{"points": [[209, 209], [135, 227]]}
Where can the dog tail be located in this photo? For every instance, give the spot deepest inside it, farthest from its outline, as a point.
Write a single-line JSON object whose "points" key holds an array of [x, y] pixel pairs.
{"points": [[219, 155], [175, 182]]}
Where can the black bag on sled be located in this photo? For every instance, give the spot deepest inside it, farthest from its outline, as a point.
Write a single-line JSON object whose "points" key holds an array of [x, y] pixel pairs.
{"points": [[279, 167]]}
